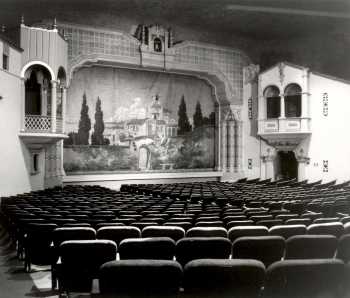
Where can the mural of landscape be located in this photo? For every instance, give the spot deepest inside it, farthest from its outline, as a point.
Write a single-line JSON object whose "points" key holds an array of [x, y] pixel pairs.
{"points": [[124, 120]]}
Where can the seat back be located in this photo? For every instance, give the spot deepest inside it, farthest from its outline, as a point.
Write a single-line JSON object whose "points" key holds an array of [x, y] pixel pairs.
{"points": [[304, 278], [241, 231], [310, 247], [142, 278], [334, 228], [160, 248], [223, 278], [191, 248], [81, 260], [118, 233], [267, 249], [287, 231], [37, 244], [207, 232], [72, 233], [174, 233]]}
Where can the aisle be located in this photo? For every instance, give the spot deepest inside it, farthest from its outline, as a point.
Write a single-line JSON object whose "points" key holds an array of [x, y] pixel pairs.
{"points": [[14, 282]]}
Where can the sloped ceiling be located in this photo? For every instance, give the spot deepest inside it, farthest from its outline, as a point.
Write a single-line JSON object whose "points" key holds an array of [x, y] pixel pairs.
{"points": [[257, 19]]}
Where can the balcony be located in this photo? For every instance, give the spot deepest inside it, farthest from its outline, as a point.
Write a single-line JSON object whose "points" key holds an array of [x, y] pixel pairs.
{"points": [[39, 130], [284, 133]]}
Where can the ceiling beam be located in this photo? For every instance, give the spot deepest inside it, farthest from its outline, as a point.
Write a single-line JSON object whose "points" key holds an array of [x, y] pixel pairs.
{"points": [[289, 11]]}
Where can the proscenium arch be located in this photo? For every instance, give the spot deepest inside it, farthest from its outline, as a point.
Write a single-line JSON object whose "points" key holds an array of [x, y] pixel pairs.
{"points": [[32, 63]]}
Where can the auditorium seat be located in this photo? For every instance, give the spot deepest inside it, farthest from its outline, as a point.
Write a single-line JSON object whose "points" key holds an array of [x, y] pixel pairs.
{"points": [[60, 235], [140, 278], [118, 233], [80, 263], [159, 248], [305, 279], [207, 278], [37, 244], [334, 228], [191, 248], [287, 231], [311, 247], [267, 249], [207, 232], [241, 231], [172, 232]]}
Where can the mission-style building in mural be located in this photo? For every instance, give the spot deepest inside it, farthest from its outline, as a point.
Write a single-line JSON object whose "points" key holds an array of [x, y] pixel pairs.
{"points": [[157, 124]]}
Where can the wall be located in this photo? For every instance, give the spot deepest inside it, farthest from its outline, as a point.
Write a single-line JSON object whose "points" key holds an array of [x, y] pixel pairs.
{"points": [[15, 157], [330, 139], [251, 143]]}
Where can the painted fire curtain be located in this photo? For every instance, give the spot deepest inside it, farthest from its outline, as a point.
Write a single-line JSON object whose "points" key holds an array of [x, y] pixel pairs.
{"points": [[135, 120]]}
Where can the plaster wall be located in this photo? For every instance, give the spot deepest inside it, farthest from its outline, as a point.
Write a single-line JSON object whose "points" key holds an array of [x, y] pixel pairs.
{"points": [[330, 140]]}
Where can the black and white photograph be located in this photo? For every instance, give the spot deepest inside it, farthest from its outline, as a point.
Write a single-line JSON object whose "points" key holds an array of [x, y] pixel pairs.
{"points": [[175, 148]]}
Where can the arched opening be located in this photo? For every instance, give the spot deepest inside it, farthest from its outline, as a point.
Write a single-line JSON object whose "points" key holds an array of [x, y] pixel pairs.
{"points": [[32, 96], [37, 91], [292, 98], [286, 166], [273, 102], [157, 43]]}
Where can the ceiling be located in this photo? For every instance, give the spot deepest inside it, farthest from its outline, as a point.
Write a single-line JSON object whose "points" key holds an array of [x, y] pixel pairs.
{"points": [[257, 19]]}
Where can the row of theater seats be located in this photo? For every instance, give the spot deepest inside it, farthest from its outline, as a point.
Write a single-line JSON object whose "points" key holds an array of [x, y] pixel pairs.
{"points": [[210, 215], [209, 277], [43, 244], [38, 237]]}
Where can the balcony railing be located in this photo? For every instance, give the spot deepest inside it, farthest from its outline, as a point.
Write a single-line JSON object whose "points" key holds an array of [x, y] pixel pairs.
{"points": [[42, 124], [284, 125]]}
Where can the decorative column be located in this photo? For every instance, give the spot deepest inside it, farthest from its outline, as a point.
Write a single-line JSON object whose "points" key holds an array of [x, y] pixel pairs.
{"points": [[224, 146], [238, 147], [43, 101], [282, 105], [23, 105], [231, 142], [53, 105], [64, 100]]}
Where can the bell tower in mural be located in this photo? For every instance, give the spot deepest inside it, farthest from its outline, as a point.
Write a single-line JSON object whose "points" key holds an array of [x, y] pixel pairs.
{"points": [[156, 45]]}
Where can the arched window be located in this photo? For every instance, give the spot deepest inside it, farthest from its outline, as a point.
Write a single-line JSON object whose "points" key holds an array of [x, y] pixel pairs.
{"points": [[273, 103], [292, 99], [157, 45]]}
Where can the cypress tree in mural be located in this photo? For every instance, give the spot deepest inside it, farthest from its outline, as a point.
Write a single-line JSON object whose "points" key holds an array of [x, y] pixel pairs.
{"points": [[99, 126], [84, 124], [198, 116], [183, 123]]}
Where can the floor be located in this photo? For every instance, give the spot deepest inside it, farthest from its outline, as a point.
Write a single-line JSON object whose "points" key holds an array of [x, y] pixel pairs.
{"points": [[14, 282]]}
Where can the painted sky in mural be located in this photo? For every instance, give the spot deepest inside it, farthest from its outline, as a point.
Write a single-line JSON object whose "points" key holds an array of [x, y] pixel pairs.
{"points": [[142, 126]]}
